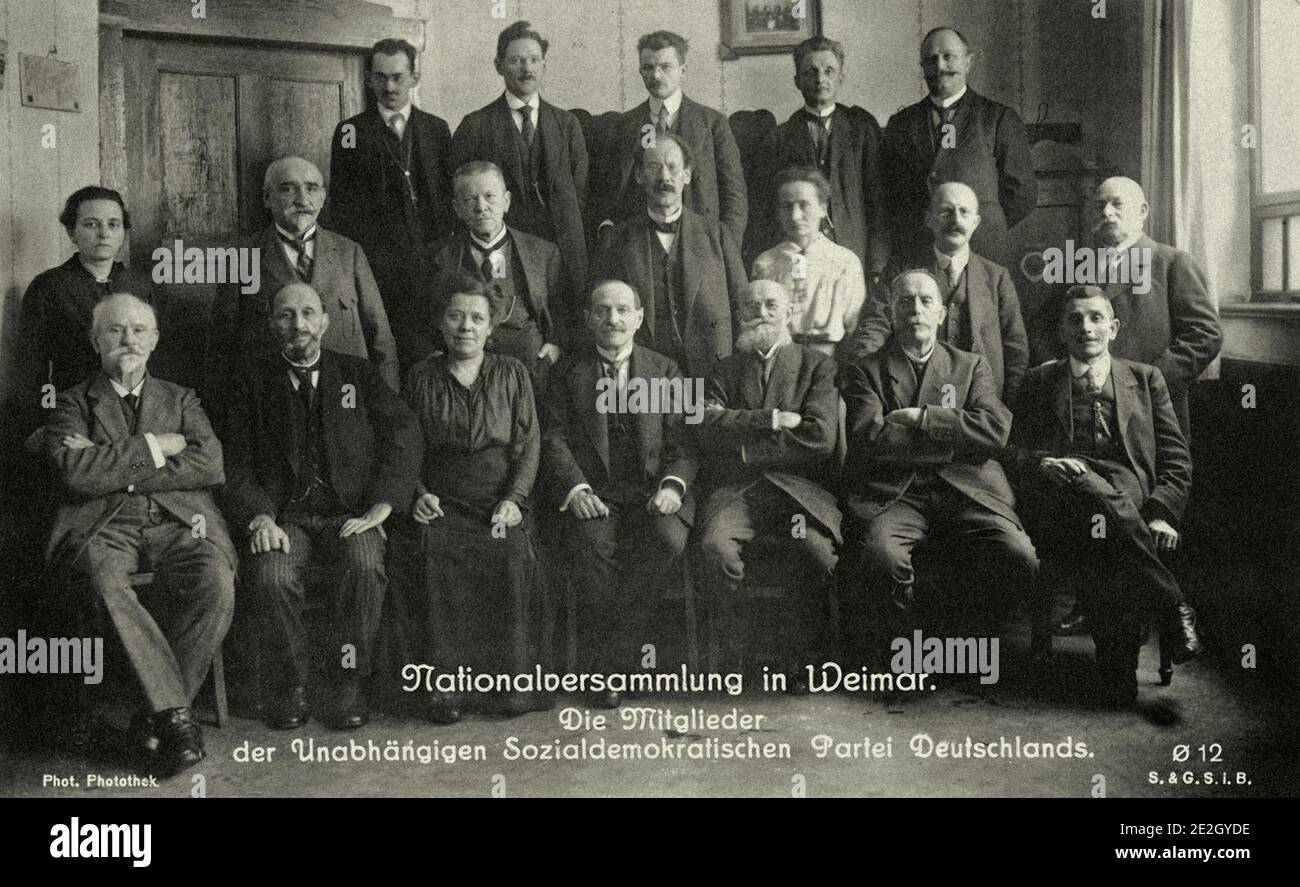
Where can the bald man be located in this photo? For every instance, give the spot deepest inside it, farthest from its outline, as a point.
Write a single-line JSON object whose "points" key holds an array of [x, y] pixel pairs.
{"points": [[771, 421], [1175, 325], [621, 480], [983, 311], [295, 248], [955, 134], [320, 452], [135, 460], [924, 423]]}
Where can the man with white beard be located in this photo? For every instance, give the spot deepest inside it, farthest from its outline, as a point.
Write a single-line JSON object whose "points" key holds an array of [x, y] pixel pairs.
{"points": [[769, 431]]}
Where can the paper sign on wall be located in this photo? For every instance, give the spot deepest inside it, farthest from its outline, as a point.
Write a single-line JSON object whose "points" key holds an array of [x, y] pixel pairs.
{"points": [[49, 83]]}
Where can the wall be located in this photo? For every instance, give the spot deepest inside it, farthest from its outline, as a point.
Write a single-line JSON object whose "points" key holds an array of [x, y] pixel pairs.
{"points": [[34, 179]]}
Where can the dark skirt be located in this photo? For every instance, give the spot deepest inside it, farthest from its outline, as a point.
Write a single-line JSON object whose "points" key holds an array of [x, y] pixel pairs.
{"points": [[478, 608]]}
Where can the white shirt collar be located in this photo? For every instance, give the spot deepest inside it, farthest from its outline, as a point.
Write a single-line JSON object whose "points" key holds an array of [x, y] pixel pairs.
{"points": [[1099, 370], [494, 243], [670, 218], [122, 392], [959, 260], [674, 103], [405, 111], [293, 377], [622, 357], [949, 102], [517, 103], [289, 234], [813, 111], [919, 361]]}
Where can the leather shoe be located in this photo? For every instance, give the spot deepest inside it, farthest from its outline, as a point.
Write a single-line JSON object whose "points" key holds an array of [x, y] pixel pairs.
{"points": [[287, 709], [181, 741], [441, 709], [349, 709], [1074, 622], [605, 699], [1180, 633]]}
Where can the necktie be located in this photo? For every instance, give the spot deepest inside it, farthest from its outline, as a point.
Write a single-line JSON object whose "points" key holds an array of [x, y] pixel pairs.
{"points": [[306, 391], [821, 134], [527, 130], [132, 402], [661, 125], [304, 264], [397, 123], [953, 274]]}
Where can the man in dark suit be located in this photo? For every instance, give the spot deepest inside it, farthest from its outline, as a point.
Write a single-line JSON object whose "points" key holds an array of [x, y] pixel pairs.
{"points": [[135, 459], [983, 312], [924, 424], [686, 268], [1096, 436], [956, 135], [294, 248], [540, 149], [321, 452], [524, 269], [770, 424], [717, 189], [623, 480], [1174, 326], [389, 169], [840, 142]]}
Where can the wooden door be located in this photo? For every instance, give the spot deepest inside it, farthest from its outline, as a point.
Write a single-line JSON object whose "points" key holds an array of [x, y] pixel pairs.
{"points": [[203, 120]]}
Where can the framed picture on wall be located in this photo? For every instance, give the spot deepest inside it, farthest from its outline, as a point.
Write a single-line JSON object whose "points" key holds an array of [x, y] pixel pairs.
{"points": [[759, 27]]}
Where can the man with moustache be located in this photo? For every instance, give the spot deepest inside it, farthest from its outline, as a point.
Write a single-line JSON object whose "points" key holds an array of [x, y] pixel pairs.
{"points": [[841, 143], [924, 423], [295, 249], [524, 269], [770, 424], [623, 483], [389, 174], [825, 281], [685, 267], [134, 458], [1096, 434], [717, 191], [956, 135], [983, 311], [321, 451], [541, 152], [1175, 325]]}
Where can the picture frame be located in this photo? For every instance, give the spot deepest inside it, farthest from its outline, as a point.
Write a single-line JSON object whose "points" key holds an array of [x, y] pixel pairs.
{"points": [[767, 27]]}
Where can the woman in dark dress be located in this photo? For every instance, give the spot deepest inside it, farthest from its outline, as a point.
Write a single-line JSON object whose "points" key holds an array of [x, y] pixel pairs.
{"points": [[55, 315], [482, 445]]}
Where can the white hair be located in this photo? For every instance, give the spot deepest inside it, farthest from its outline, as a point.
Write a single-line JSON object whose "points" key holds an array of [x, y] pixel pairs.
{"points": [[97, 312]]}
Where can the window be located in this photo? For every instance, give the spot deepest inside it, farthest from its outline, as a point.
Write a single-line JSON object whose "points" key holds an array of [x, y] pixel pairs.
{"points": [[1275, 164]]}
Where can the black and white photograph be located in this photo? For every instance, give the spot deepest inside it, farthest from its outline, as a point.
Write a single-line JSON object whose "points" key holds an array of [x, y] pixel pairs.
{"points": [[651, 398]]}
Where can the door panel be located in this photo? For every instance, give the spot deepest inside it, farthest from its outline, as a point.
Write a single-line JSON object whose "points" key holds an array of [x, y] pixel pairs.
{"points": [[203, 121]]}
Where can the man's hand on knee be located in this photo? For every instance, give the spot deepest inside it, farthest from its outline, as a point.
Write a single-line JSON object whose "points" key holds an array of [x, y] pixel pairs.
{"points": [[265, 535]]}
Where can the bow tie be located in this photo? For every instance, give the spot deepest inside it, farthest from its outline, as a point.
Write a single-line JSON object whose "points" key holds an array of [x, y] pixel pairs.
{"points": [[303, 373], [665, 227]]}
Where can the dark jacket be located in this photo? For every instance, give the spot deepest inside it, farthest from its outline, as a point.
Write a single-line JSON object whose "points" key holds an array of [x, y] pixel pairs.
{"points": [[739, 446], [372, 445], [958, 441], [1156, 450], [489, 134], [713, 279], [575, 437]]}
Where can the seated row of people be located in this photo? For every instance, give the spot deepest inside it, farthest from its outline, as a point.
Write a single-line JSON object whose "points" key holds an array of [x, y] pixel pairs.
{"points": [[433, 495]]}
